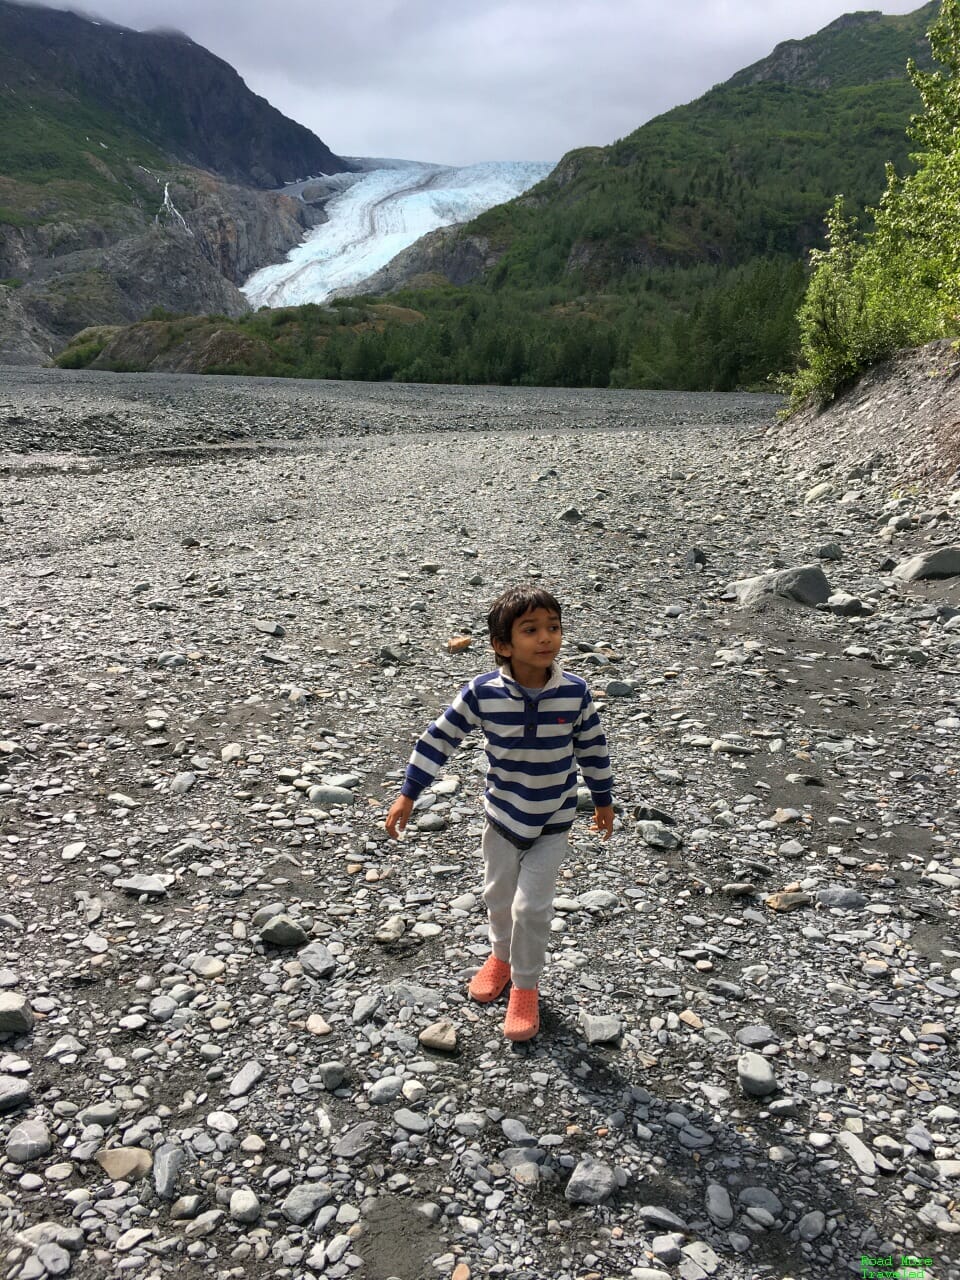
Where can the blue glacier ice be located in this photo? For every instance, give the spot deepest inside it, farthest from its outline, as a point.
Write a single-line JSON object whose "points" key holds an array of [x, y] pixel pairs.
{"points": [[375, 213]]}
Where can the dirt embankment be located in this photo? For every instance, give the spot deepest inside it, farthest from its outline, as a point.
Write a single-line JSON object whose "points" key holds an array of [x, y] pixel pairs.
{"points": [[903, 415]]}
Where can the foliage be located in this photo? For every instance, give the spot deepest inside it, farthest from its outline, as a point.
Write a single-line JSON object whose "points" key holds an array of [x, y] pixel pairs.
{"points": [[740, 173], [12, 218], [79, 154], [731, 338], [80, 354], [899, 284], [161, 313]]}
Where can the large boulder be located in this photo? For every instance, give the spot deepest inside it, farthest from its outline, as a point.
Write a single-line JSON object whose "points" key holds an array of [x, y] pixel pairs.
{"points": [[806, 584], [942, 563]]}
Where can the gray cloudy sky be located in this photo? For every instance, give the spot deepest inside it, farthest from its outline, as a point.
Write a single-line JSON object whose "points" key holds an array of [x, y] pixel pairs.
{"points": [[459, 81]]}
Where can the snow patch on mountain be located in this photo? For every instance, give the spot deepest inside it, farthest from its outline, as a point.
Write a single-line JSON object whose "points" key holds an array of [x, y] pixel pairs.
{"points": [[379, 212]]}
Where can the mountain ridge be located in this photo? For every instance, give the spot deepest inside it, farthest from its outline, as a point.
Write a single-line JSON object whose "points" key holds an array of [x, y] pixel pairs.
{"points": [[652, 152], [211, 121], [863, 32], [108, 137]]}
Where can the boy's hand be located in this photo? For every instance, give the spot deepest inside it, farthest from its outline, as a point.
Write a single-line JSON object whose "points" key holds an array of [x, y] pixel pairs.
{"points": [[603, 820], [398, 816]]}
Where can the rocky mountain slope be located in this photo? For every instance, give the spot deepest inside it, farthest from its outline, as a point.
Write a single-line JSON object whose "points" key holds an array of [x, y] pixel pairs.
{"points": [[133, 174], [173, 92], [853, 49], [445, 256], [902, 417]]}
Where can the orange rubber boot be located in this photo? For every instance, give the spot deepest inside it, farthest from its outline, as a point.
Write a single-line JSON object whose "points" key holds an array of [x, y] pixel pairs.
{"points": [[489, 980], [523, 1014]]}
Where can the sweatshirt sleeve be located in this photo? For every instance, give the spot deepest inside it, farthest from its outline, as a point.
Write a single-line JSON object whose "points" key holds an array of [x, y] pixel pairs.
{"points": [[590, 748], [440, 740]]}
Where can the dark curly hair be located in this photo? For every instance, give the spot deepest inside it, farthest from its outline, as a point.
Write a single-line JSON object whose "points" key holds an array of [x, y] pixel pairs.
{"points": [[513, 604]]}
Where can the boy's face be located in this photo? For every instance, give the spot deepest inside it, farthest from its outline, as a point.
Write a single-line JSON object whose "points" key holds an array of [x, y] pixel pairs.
{"points": [[536, 639]]}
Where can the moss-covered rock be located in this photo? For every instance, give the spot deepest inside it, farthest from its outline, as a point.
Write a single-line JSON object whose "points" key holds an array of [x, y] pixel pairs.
{"points": [[193, 344]]}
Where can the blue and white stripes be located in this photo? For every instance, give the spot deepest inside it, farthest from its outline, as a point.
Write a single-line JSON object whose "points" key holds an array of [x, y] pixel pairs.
{"points": [[533, 748]]}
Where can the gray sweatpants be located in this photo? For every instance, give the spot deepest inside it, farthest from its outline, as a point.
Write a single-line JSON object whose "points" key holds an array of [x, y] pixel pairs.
{"points": [[518, 889]]}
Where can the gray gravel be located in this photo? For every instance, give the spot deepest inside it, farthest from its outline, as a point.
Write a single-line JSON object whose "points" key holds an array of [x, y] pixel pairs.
{"points": [[234, 1032]]}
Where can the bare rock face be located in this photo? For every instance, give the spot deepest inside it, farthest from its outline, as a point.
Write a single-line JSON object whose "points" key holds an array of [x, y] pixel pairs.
{"points": [[23, 340], [167, 267], [162, 267], [239, 229], [84, 274], [187, 257], [14, 253], [444, 256]]}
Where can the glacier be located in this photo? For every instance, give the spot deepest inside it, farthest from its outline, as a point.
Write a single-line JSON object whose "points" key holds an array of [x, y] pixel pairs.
{"points": [[376, 212]]}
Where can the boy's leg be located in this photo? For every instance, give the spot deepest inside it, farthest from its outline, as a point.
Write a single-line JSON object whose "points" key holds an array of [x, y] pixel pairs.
{"points": [[533, 907], [501, 866]]}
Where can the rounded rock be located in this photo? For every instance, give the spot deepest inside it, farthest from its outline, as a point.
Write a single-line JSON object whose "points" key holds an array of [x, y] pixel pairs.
{"points": [[28, 1141], [244, 1205], [15, 1012], [591, 1182], [756, 1075], [281, 931]]}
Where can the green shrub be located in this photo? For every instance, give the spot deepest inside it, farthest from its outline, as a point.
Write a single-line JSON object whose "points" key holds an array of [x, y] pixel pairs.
{"points": [[79, 356], [898, 286], [161, 313]]}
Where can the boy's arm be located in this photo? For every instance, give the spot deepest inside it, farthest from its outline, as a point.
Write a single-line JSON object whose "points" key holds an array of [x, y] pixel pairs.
{"points": [[590, 748], [439, 742]]}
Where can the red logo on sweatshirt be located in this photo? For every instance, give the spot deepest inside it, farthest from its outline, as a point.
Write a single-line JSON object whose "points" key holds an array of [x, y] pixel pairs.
{"points": [[560, 720]]}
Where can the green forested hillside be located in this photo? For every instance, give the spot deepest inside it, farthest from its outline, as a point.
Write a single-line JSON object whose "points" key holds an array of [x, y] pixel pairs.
{"points": [[740, 173], [62, 160]]}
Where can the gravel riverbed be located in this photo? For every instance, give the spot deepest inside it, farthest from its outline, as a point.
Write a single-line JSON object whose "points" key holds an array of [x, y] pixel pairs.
{"points": [[234, 1033]]}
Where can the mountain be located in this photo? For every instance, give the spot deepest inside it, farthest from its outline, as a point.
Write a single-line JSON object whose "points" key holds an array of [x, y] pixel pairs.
{"points": [[747, 169], [172, 92], [136, 170], [674, 257]]}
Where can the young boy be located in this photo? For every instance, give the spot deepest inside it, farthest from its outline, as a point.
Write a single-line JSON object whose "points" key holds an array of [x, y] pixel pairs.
{"points": [[536, 719]]}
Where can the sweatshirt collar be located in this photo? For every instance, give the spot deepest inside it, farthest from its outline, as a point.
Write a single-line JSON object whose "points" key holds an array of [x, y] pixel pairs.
{"points": [[511, 684]]}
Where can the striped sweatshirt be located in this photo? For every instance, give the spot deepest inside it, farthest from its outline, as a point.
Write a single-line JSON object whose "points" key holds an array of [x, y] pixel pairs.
{"points": [[533, 746]]}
